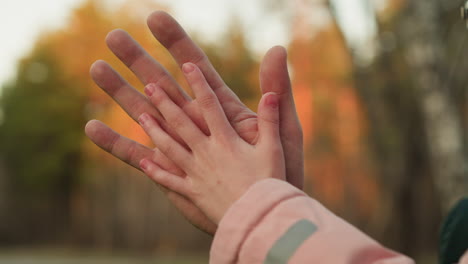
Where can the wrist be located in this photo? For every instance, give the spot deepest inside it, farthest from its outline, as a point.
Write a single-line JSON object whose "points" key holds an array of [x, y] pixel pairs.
{"points": [[218, 202]]}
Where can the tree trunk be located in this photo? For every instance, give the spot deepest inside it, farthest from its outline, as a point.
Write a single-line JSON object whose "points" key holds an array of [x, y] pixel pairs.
{"points": [[425, 55]]}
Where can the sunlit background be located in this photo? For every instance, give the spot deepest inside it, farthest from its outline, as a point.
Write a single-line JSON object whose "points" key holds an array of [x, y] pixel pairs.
{"points": [[379, 86]]}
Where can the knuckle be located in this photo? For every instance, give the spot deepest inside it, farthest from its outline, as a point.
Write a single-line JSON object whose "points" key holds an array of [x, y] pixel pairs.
{"points": [[168, 150], [207, 101], [270, 119], [137, 107], [276, 150], [112, 144], [191, 189], [177, 121], [273, 119], [131, 153], [227, 144], [195, 193], [164, 81], [158, 98]]}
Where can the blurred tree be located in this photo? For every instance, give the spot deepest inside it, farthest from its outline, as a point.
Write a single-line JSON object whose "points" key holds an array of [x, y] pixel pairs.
{"points": [[339, 170], [40, 140], [414, 98], [427, 59], [235, 62], [37, 109]]}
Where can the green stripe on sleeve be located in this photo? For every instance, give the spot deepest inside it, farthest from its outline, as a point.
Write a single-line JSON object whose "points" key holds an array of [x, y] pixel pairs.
{"points": [[287, 244]]}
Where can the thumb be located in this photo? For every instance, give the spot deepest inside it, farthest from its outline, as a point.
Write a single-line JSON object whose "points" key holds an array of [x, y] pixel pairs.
{"points": [[274, 76], [268, 119]]}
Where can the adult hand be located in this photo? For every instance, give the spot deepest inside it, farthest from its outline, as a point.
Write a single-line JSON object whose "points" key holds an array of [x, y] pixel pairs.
{"points": [[273, 78]]}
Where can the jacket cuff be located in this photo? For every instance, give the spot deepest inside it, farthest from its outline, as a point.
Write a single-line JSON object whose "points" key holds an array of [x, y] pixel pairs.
{"points": [[244, 215]]}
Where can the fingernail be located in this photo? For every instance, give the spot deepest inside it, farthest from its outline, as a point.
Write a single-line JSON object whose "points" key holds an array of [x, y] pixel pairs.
{"points": [[144, 164], [188, 67], [272, 100], [143, 117], [149, 89]]}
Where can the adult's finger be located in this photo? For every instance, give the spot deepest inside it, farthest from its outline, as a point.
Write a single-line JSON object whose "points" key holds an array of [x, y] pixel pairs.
{"points": [[145, 67], [121, 147], [131, 100], [182, 48], [274, 77]]}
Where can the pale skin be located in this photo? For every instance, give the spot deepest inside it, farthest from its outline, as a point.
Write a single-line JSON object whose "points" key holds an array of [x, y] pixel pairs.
{"points": [[219, 166], [273, 78]]}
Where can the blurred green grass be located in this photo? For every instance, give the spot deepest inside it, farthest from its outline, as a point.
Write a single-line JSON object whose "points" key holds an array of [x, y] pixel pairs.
{"points": [[59, 256]]}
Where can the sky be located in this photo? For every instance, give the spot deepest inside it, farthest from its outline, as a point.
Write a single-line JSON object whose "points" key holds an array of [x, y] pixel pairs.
{"points": [[21, 22], [20, 26]]}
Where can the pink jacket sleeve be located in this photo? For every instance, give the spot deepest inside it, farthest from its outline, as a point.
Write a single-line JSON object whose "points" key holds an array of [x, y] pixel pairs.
{"points": [[274, 222]]}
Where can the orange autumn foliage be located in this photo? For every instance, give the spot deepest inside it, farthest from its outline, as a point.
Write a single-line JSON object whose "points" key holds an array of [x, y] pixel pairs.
{"points": [[338, 166], [82, 42]]}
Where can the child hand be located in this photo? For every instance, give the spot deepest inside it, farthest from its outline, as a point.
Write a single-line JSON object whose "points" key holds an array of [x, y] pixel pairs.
{"points": [[218, 167]]}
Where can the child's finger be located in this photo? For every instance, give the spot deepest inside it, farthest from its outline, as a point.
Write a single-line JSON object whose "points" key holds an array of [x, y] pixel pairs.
{"points": [[172, 182], [166, 144], [208, 101], [268, 119], [165, 163], [175, 116]]}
